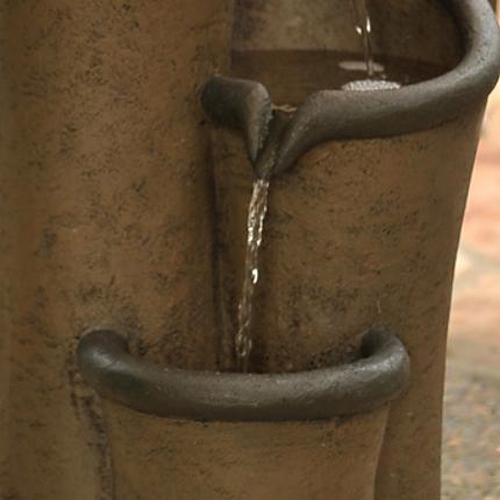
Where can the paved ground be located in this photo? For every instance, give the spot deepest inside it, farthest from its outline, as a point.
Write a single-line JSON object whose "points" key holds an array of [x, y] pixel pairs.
{"points": [[471, 455], [471, 465]]}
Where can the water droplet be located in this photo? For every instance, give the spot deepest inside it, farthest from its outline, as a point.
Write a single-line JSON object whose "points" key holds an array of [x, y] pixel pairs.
{"points": [[255, 276]]}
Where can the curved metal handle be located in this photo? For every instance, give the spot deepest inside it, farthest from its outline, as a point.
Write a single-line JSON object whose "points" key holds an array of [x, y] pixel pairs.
{"points": [[371, 382]]}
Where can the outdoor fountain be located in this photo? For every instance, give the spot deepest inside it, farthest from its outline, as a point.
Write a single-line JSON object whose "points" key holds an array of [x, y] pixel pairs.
{"points": [[291, 350]]}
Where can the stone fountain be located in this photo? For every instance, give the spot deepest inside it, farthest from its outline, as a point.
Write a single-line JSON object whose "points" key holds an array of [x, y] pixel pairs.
{"points": [[133, 132]]}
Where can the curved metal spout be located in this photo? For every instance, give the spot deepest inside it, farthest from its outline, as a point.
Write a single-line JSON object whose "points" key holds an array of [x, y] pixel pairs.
{"points": [[335, 114], [377, 378]]}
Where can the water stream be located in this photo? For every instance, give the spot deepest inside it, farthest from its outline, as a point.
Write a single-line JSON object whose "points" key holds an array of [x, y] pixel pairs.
{"points": [[255, 227], [364, 29]]}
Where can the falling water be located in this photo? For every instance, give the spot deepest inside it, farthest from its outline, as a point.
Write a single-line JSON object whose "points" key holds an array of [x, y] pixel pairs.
{"points": [[364, 29], [259, 201], [255, 226]]}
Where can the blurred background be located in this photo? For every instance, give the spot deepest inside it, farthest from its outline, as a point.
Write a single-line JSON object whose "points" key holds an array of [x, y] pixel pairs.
{"points": [[471, 465]]}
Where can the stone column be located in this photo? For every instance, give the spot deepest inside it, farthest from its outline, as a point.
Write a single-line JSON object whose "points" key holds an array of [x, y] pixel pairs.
{"points": [[105, 219]]}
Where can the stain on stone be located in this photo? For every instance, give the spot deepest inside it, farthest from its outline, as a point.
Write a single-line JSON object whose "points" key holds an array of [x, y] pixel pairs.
{"points": [[47, 243], [88, 411]]}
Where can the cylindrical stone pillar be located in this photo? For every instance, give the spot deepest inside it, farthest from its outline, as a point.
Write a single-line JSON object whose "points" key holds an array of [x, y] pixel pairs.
{"points": [[105, 219]]}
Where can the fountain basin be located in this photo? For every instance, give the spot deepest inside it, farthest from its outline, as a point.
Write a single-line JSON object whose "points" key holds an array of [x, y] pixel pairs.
{"points": [[378, 377], [247, 436]]}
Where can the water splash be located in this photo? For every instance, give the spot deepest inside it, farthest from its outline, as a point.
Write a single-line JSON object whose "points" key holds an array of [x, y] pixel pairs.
{"points": [[255, 228], [368, 84]]}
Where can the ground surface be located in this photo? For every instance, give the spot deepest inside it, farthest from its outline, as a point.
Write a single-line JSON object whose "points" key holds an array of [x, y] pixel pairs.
{"points": [[471, 466], [471, 455]]}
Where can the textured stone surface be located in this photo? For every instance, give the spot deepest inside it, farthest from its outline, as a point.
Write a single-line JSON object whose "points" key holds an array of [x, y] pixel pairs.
{"points": [[106, 221], [363, 233], [105, 214], [162, 458]]}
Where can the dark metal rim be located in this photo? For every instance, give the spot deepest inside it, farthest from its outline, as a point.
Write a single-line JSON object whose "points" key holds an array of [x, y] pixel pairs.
{"points": [[362, 386], [331, 114]]}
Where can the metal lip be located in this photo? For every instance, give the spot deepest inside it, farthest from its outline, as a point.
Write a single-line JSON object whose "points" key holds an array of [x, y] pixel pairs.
{"points": [[362, 386], [333, 114]]}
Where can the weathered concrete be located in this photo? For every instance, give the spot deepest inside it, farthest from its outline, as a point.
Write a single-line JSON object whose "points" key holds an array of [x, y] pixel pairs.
{"points": [[186, 460], [105, 216]]}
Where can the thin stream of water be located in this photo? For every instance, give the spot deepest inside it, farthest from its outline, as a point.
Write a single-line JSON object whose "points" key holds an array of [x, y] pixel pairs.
{"points": [[255, 227], [364, 29]]}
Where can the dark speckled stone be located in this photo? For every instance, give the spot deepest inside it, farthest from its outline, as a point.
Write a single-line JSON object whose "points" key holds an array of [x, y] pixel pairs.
{"points": [[107, 209]]}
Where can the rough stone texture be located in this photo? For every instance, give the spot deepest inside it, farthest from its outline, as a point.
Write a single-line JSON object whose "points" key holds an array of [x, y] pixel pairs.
{"points": [[161, 458], [363, 233], [105, 215]]}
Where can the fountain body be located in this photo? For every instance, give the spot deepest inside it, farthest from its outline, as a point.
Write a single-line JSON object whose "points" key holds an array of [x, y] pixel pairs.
{"points": [[108, 214], [367, 204]]}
